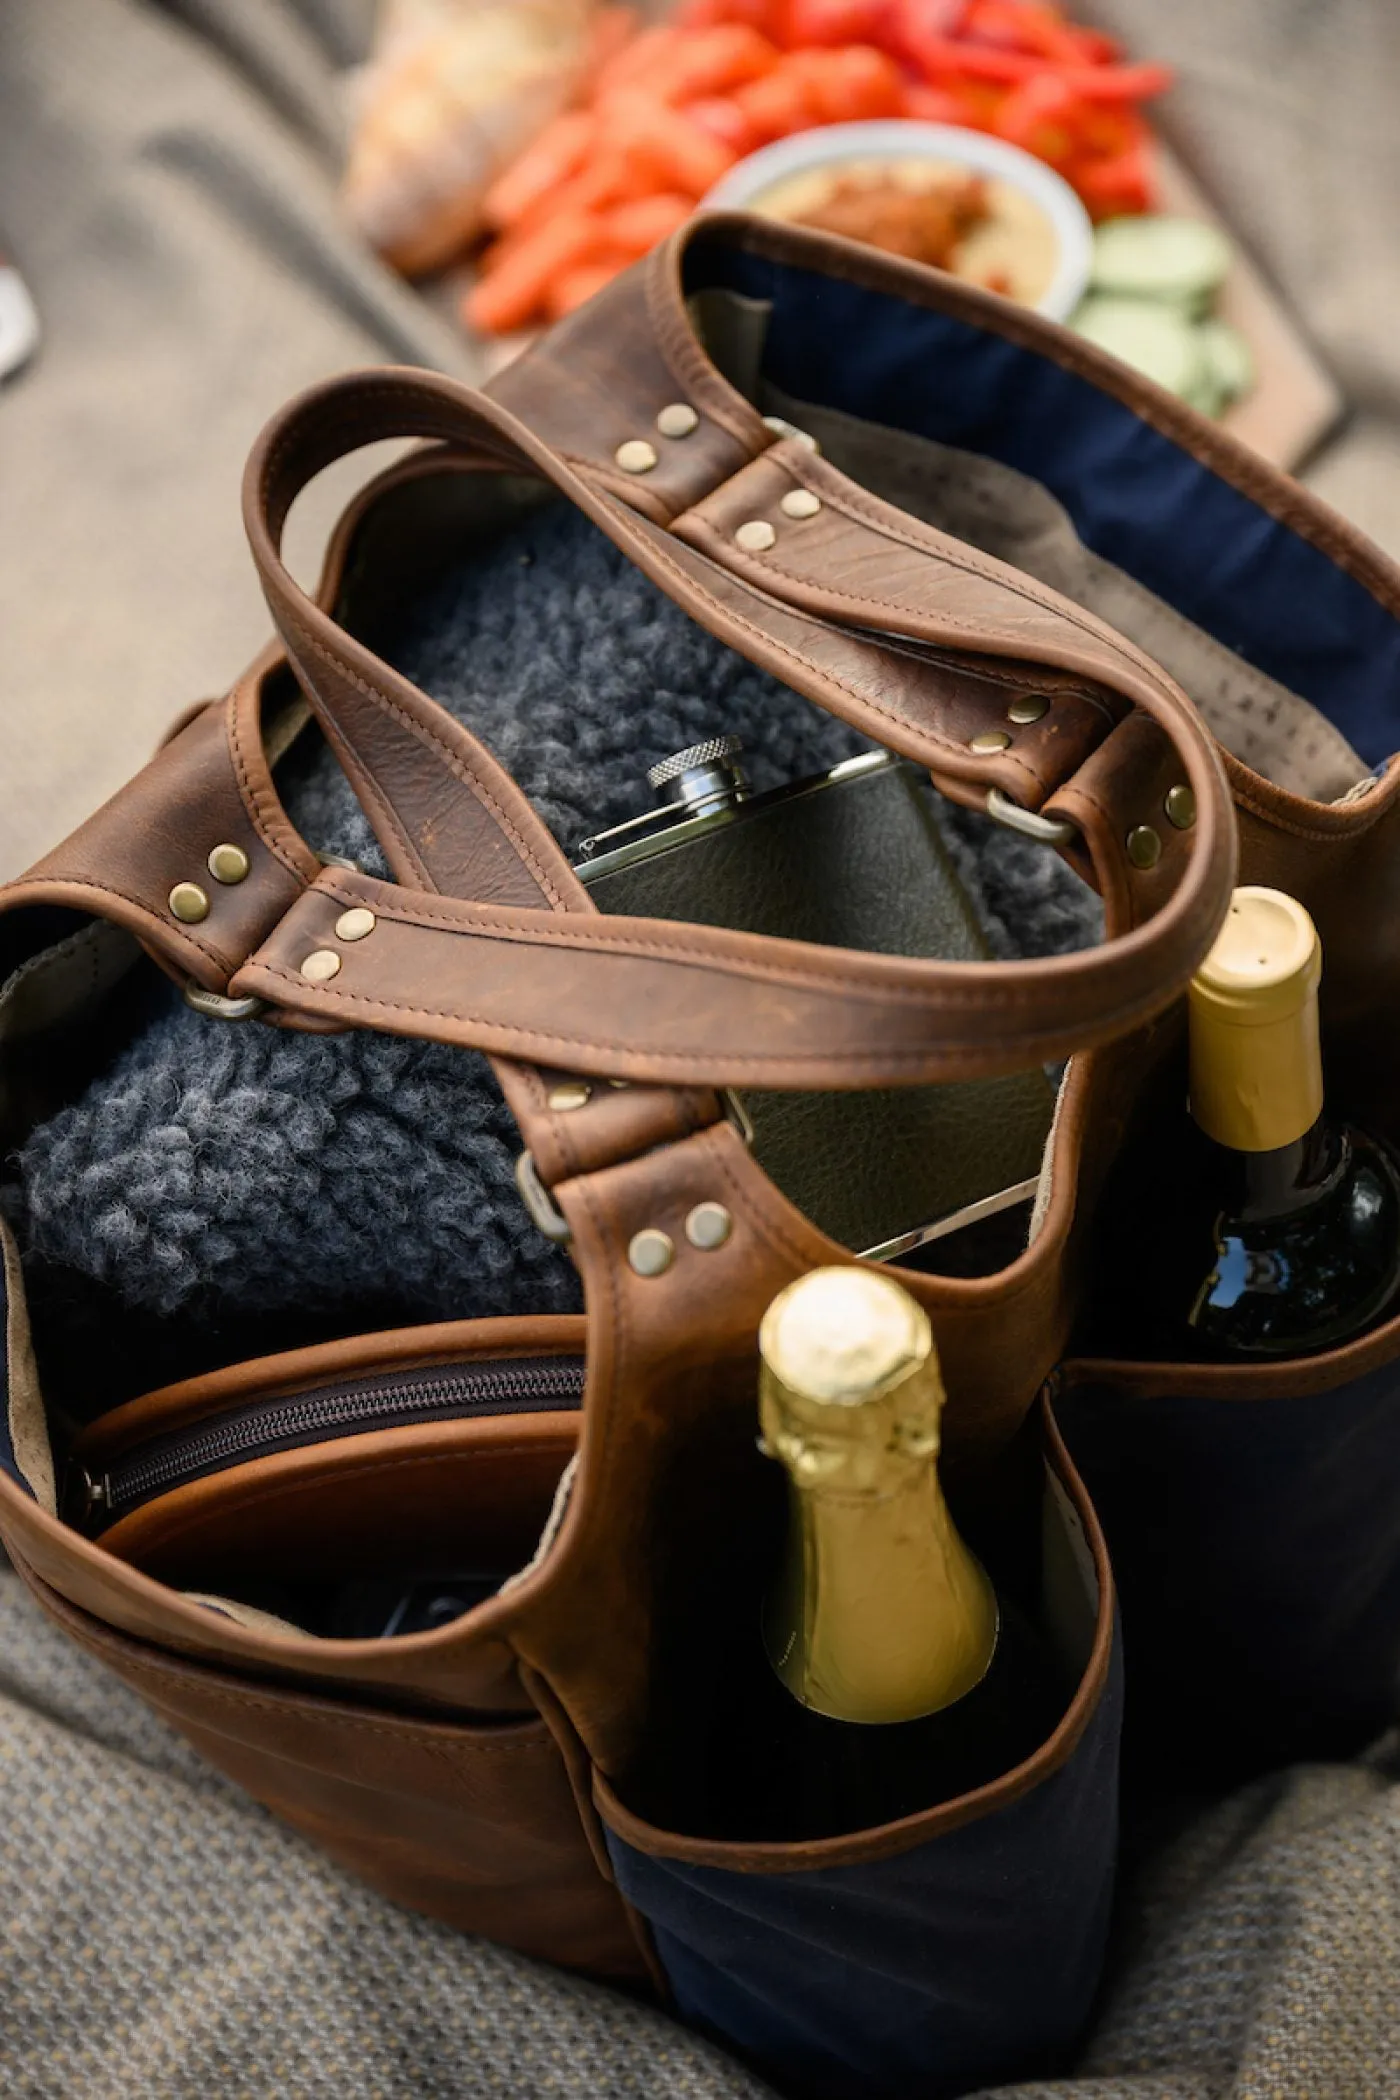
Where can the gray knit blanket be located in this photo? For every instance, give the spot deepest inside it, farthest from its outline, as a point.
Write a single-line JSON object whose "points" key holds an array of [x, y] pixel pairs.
{"points": [[215, 1170]]}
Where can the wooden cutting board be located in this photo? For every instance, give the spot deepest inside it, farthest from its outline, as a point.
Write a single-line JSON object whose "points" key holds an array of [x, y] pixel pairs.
{"points": [[1294, 401]]}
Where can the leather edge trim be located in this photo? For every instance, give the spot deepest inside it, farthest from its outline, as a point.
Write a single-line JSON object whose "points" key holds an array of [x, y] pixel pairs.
{"points": [[1298, 1378]]}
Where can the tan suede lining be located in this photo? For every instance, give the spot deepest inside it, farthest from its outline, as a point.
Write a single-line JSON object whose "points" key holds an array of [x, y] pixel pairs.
{"points": [[28, 1432], [245, 1614]]}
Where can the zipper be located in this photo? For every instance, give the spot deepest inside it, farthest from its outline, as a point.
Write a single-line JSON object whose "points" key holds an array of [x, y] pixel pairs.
{"points": [[523, 1385]]}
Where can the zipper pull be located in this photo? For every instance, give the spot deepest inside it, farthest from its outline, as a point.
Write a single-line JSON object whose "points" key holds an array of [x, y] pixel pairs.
{"points": [[91, 1493]]}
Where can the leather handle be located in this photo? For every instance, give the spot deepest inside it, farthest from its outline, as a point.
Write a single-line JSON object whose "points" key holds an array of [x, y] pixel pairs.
{"points": [[500, 972], [448, 816]]}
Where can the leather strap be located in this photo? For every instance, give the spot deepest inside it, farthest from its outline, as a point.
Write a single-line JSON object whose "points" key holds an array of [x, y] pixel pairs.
{"points": [[904, 632]]}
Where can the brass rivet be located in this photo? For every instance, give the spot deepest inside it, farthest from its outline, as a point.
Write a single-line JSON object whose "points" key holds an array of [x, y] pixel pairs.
{"points": [[572, 1094], [320, 966], [709, 1225], [677, 420], [1180, 807], [651, 1251], [354, 924], [989, 743], [1144, 846], [229, 864], [636, 456], [801, 503], [1032, 707], [755, 536], [189, 902]]}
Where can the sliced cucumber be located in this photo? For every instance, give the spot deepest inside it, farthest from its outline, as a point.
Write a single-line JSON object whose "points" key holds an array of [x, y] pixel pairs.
{"points": [[1152, 339], [1229, 359], [1183, 261]]}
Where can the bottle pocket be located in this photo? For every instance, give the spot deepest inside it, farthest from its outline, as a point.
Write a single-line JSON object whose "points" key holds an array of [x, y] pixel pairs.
{"points": [[1253, 1523], [958, 1947]]}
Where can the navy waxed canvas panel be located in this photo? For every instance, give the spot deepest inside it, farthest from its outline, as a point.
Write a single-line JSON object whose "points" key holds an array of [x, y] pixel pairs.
{"points": [[1256, 1548], [967, 1961], [1136, 498]]}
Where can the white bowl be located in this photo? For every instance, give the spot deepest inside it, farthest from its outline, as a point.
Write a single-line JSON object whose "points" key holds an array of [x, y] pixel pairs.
{"points": [[897, 138]]}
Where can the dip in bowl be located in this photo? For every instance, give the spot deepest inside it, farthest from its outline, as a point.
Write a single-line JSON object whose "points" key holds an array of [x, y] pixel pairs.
{"points": [[957, 199]]}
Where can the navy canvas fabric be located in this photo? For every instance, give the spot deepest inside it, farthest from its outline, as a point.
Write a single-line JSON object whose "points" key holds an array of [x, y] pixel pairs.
{"points": [[1135, 496], [1256, 1547], [967, 1961]]}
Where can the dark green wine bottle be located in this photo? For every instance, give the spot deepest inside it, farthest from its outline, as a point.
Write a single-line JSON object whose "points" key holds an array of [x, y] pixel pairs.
{"points": [[1287, 1238]]}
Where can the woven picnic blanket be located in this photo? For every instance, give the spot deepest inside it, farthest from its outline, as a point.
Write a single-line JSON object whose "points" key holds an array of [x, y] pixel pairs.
{"points": [[167, 181]]}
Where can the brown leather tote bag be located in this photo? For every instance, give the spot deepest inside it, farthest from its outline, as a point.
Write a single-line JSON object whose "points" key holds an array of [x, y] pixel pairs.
{"points": [[996, 512]]}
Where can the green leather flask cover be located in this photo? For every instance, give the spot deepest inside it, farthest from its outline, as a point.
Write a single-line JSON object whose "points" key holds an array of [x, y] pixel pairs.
{"points": [[853, 861]]}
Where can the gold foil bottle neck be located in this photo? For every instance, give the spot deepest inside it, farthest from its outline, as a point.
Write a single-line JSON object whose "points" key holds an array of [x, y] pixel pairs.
{"points": [[1256, 1060], [851, 1392], [881, 1614]]}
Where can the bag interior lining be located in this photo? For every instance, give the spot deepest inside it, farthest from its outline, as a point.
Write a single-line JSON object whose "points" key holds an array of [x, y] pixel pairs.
{"points": [[1007, 515], [24, 1437], [1136, 498]]}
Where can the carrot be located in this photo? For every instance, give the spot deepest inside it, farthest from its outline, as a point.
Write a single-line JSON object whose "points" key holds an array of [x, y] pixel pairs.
{"points": [[511, 294], [674, 151], [576, 287], [608, 177], [778, 104], [722, 117], [551, 157], [849, 83], [932, 105], [639, 58], [611, 29], [712, 62], [638, 226], [762, 15], [835, 22]]}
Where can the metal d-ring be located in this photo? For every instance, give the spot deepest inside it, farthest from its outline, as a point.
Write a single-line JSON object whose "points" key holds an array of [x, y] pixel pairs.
{"points": [[1046, 831], [215, 1007], [537, 1200]]}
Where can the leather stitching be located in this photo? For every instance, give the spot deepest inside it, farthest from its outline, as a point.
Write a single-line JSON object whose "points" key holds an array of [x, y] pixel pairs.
{"points": [[253, 794], [181, 934], [586, 935], [455, 764], [413, 1727], [948, 1058], [864, 701], [847, 507], [598, 934]]}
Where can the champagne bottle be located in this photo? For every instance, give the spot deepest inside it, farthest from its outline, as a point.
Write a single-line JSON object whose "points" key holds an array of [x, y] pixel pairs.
{"points": [[1287, 1238], [888, 1674]]}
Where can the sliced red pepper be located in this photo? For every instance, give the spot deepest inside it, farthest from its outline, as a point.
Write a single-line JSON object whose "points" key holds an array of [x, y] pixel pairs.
{"points": [[1038, 105], [941, 58], [1118, 83], [1122, 184], [1015, 25]]}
